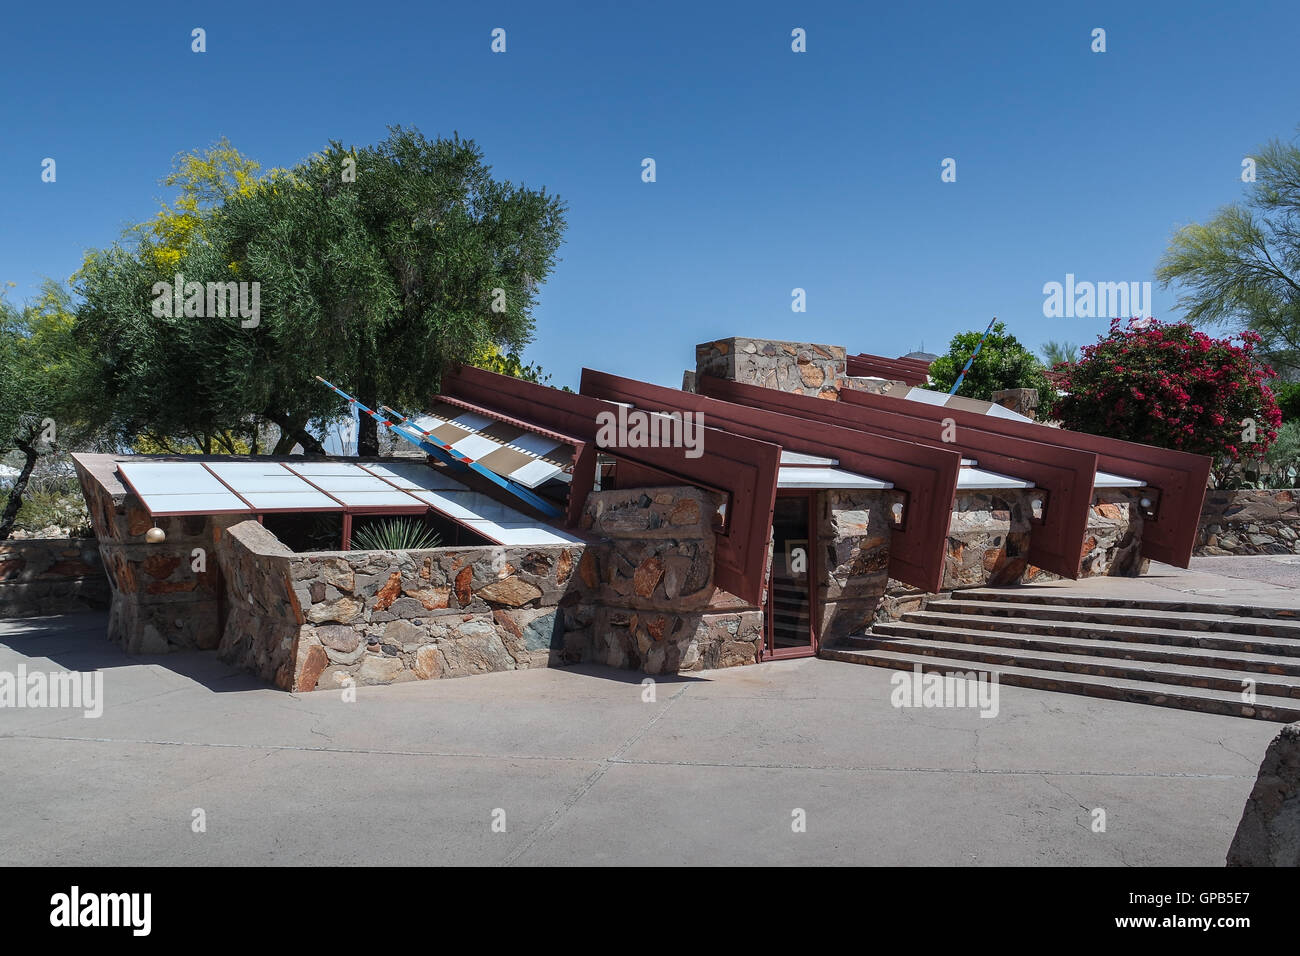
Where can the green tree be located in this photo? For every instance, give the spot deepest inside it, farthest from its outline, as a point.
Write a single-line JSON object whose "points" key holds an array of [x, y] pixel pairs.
{"points": [[1002, 363], [382, 266], [1242, 268], [1056, 353], [377, 267], [43, 395]]}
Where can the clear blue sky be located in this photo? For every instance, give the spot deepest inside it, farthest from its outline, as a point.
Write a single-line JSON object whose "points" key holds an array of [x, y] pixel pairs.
{"points": [[775, 170]]}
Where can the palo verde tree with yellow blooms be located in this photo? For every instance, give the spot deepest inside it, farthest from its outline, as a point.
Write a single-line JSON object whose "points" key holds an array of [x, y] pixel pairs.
{"points": [[376, 267]]}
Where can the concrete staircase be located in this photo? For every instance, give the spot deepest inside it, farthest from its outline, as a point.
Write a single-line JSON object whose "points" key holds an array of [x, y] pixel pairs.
{"points": [[1191, 655]]}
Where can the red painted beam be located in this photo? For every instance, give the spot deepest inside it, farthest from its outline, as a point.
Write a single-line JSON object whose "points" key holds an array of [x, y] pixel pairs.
{"points": [[908, 371], [1065, 474], [745, 468], [928, 476], [1181, 478]]}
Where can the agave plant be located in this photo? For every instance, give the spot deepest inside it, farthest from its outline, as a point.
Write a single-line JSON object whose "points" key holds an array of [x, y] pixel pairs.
{"points": [[395, 534]]}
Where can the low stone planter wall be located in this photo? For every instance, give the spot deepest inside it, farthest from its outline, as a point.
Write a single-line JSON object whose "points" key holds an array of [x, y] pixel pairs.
{"points": [[51, 576], [322, 619], [1250, 522], [647, 598]]}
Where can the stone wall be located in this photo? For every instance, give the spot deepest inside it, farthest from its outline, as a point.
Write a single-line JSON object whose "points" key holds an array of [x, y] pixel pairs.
{"points": [[1269, 831], [988, 538], [648, 601], [377, 617], [1113, 544], [51, 576], [160, 602], [1250, 522], [799, 367], [1022, 401], [988, 546], [854, 528]]}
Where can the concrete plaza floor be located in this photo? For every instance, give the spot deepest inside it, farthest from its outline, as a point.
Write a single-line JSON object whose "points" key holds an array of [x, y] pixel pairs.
{"points": [[579, 768]]}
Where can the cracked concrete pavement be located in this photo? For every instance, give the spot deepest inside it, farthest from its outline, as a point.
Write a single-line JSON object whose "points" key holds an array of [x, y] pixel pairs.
{"points": [[583, 770]]}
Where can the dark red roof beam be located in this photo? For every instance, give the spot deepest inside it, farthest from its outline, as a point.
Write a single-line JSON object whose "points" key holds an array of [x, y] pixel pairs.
{"points": [[877, 366], [1065, 474], [743, 468], [1180, 477], [927, 476]]}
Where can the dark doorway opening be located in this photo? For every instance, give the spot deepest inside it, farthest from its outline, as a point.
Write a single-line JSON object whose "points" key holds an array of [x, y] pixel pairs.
{"points": [[791, 592]]}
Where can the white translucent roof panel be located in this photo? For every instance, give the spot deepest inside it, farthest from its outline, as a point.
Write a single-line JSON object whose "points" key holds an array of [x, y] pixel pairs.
{"points": [[476, 446], [468, 505], [179, 487], [392, 498], [968, 478], [521, 532], [827, 478], [414, 476], [256, 476], [169, 478], [927, 396], [309, 500], [360, 482], [313, 469], [997, 411], [208, 503], [1105, 479], [799, 458]]}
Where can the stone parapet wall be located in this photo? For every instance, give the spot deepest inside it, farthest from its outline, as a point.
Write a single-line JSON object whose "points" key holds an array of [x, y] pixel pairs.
{"points": [[648, 601], [855, 528], [1113, 544], [51, 576], [799, 367], [164, 596], [988, 538], [323, 619], [1250, 522]]}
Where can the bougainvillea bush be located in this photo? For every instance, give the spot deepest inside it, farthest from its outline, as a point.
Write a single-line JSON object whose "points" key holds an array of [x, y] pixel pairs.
{"points": [[1168, 384]]}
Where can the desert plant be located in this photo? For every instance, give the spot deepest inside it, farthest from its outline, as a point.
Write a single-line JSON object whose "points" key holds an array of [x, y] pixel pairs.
{"points": [[395, 534]]}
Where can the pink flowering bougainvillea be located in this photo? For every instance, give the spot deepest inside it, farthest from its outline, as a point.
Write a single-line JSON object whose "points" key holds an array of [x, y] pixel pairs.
{"points": [[1172, 386]]}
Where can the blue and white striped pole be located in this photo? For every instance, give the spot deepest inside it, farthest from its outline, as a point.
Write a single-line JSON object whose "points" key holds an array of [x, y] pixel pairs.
{"points": [[971, 361]]}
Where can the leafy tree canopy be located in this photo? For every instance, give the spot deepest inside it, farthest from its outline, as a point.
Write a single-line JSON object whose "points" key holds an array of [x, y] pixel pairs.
{"points": [[1242, 267], [1002, 363], [375, 268]]}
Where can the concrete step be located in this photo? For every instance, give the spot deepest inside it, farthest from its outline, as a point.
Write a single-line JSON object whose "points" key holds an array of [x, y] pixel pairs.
{"points": [[1010, 631], [1030, 594], [1125, 646], [1135, 617], [933, 644], [1204, 700]]}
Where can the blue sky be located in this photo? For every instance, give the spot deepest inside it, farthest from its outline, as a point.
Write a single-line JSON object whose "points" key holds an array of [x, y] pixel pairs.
{"points": [[775, 170]]}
